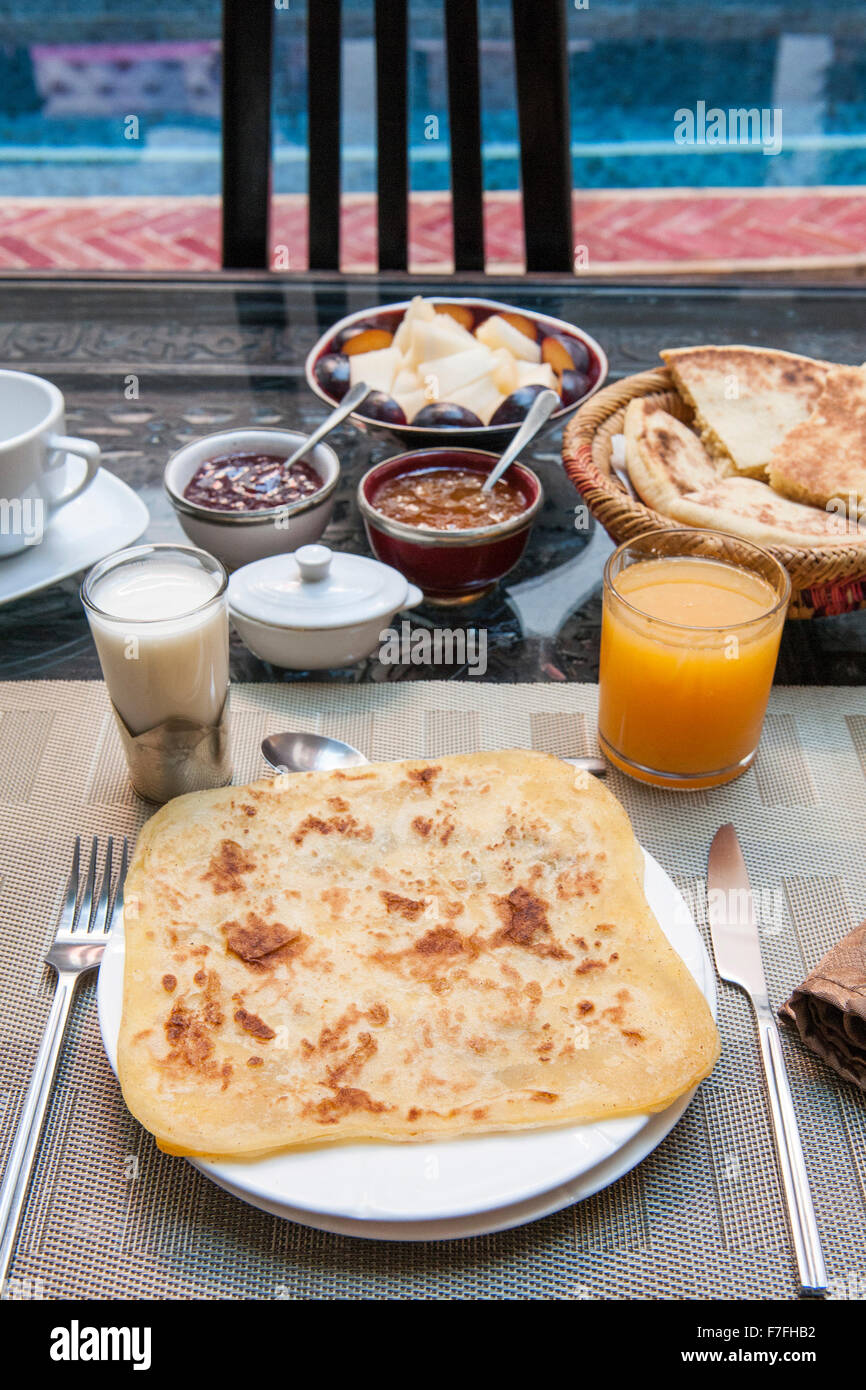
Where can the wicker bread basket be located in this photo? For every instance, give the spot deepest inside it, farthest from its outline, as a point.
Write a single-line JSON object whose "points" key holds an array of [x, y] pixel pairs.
{"points": [[824, 579]]}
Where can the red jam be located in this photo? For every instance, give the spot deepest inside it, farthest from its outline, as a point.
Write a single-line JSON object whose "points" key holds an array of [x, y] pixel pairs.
{"points": [[250, 482]]}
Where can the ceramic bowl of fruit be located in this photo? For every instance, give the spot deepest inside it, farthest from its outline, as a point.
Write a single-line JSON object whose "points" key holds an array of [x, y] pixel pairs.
{"points": [[426, 514], [465, 370]]}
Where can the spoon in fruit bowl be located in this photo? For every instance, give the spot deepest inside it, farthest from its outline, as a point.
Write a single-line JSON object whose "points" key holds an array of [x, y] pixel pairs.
{"points": [[541, 409], [352, 399], [303, 752]]}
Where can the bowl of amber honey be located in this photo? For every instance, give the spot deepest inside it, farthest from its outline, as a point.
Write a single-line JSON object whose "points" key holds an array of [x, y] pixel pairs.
{"points": [[426, 514], [691, 626]]}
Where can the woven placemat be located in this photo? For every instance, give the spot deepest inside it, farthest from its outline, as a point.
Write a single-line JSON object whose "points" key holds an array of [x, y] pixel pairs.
{"points": [[702, 1217]]}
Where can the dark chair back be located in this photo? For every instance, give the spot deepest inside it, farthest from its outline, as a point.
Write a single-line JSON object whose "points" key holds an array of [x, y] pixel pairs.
{"points": [[246, 127], [543, 116]]}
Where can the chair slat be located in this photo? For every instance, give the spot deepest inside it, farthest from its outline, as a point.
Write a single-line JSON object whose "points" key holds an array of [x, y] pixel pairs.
{"points": [[323, 106], [464, 107], [392, 131], [541, 61], [246, 133]]}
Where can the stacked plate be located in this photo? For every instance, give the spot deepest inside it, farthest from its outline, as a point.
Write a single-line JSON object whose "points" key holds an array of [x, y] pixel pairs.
{"points": [[462, 1187]]}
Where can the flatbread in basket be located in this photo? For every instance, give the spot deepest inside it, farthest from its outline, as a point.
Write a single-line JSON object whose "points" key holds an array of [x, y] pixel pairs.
{"points": [[746, 399], [823, 550], [673, 472]]}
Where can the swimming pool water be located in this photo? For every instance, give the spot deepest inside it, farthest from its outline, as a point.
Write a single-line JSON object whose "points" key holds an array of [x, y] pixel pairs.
{"points": [[625, 92]]}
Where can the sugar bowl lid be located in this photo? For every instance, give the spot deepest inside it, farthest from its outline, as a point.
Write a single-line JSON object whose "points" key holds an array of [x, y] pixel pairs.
{"points": [[316, 588]]}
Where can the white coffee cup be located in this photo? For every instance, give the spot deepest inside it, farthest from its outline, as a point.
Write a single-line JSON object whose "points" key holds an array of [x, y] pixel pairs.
{"points": [[34, 478]]}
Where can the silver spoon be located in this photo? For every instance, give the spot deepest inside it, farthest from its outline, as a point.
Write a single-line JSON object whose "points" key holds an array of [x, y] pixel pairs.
{"points": [[541, 409], [300, 752], [350, 402]]}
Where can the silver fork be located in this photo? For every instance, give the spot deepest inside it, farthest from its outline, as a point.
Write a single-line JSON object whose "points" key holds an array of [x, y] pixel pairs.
{"points": [[78, 944]]}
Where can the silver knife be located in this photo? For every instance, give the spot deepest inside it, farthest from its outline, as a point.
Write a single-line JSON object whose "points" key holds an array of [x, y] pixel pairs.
{"points": [[734, 929]]}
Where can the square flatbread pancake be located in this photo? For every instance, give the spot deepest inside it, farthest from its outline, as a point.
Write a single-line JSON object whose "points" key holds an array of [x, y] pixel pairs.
{"points": [[746, 399], [823, 459], [673, 473], [400, 951], [664, 457]]}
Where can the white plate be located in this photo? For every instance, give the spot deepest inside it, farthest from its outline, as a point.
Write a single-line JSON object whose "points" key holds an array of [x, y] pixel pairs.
{"points": [[106, 517], [500, 1218], [448, 1180]]}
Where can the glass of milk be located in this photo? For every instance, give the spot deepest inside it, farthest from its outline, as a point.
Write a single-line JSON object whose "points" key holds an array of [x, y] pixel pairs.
{"points": [[159, 618]]}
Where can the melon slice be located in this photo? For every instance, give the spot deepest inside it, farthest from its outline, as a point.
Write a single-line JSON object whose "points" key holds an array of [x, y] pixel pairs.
{"points": [[443, 337], [496, 333], [377, 368], [420, 310], [481, 396], [442, 376], [504, 371], [404, 382], [410, 402], [528, 374]]}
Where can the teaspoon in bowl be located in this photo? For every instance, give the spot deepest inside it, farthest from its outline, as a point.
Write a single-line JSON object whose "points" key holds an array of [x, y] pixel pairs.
{"points": [[541, 409], [350, 402]]}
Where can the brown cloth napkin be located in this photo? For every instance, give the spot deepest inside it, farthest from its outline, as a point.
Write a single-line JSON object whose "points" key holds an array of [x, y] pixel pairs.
{"points": [[829, 1008]]}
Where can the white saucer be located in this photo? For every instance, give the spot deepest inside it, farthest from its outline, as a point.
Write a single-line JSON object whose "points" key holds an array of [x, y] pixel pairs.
{"points": [[106, 517], [460, 1186]]}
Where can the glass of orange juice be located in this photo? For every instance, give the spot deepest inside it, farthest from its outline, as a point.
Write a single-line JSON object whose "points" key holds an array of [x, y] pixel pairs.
{"points": [[691, 624]]}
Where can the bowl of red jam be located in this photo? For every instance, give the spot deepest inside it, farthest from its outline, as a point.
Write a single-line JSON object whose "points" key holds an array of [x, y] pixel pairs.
{"points": [[426, 514], [235, 497]]}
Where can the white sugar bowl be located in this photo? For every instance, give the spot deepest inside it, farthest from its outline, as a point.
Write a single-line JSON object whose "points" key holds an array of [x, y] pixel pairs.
{"points": [[317, 608]]}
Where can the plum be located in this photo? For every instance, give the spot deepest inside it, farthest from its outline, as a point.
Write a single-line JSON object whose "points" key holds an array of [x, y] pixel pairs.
{"points": [[446, 415], [521, 323], [333, 374], [461, 313], [555, 352], [578, 352], [365, 340], [378, 406], [515, 407], [573, 385], [564, 353]]}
